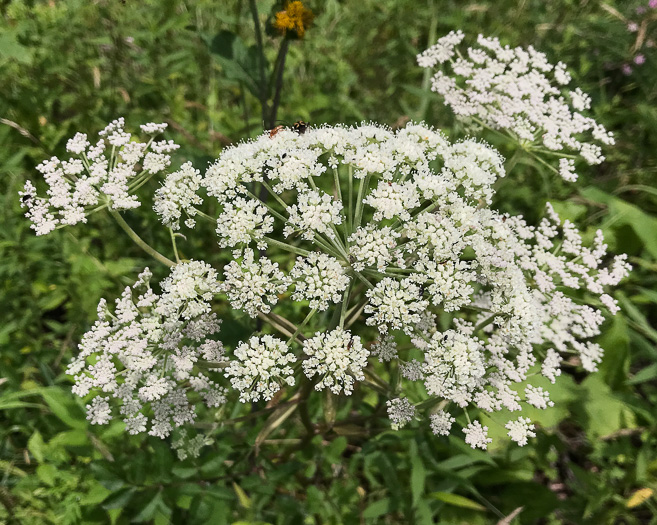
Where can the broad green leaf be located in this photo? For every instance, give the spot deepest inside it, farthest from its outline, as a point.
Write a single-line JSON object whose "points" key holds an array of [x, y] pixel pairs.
{"points": [[152, 509], [624, 213], [376, 509], [63, 406], [37, 446], [418, 475]]}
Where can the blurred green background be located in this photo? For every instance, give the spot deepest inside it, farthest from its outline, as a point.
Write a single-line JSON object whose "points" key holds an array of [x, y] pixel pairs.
{"points": [[68, 66]]}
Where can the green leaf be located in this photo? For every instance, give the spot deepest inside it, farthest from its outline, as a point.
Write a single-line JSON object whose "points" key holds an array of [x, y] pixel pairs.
{"points": [[63, 406], [155, 507], [645, 374], [11, 49], [96, 495], [624, 213], [604, 412], [418, 475], [237, 62], [120, 499], [244, 500], [37, 446], [376, 509], [457, 501], [47, 473]]}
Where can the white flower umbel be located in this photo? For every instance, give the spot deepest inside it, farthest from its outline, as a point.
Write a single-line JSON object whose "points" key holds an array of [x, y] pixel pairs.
{"points": [[477, 436], [337, 358], [319, 279], [146, 354], [314, 213], [518, 91], [400, 412], [260, 367], [102, 175], [372, 231], [242, 221], [177, 196], [520, 430], [441, 423], [253, 286], [399, 225], [395, 305]]}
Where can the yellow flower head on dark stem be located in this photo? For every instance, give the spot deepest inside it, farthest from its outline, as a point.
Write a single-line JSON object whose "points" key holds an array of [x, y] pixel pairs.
{"points": [[295, 18]]}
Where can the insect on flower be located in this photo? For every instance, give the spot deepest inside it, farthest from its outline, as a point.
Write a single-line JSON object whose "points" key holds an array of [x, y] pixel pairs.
{"points": [[300, 127], [274, 132]]}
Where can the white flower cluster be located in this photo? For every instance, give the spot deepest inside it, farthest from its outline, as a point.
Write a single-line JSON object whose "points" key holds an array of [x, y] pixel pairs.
{"points": [[260, 367], [145, 354], [177, 196], [314, 212], [418, 240], [320, 279], [384, 233], [97, 175], [337, 358], [400, 412], [253, 286], [519, 91]]}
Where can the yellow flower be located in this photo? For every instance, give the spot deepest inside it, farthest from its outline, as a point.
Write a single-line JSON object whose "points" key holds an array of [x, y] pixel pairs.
{"points": [[638, 497], [295, 18]]}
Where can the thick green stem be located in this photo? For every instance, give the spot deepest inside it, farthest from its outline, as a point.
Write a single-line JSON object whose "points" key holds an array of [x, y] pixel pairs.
{"points": [[139, 241]]}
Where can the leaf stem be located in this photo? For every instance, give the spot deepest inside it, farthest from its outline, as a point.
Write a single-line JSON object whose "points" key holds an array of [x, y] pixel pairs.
{"points": [[139, 241]]}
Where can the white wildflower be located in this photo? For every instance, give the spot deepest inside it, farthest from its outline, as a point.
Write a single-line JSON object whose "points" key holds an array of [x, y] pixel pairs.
{"points": [[319, 279], [261, 366], [477, 436], [441, 422], [400, 412], [520, 430], [337, 358]]}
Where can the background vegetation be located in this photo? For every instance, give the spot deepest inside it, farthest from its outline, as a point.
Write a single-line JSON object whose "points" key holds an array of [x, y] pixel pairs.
{"points": [[73, 65]]}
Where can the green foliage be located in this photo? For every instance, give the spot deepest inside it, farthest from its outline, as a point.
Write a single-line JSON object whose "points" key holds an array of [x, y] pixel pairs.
{"points": [[74, 65]]}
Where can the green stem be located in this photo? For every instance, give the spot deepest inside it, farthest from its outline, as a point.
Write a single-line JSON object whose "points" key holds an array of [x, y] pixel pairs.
{"points": [[486, 322], [344, 306], [274, 194], [205, 216], [139, 241], [280, 60], [287, 247], [303, 323], [362, 187], [173, 243], [351, 198]]}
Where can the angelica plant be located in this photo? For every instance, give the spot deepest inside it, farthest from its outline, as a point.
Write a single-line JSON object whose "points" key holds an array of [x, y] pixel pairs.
{"points": [[372, 259], [519, 93]]}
